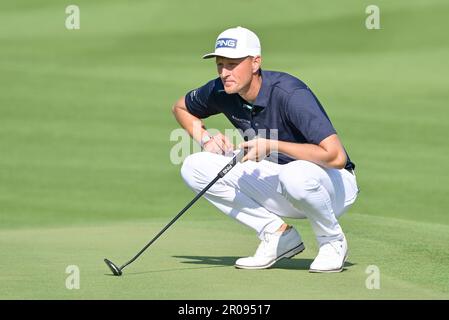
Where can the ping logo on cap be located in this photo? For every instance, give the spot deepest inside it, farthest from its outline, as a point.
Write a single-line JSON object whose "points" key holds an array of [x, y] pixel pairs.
{"points": [[226, 43]]}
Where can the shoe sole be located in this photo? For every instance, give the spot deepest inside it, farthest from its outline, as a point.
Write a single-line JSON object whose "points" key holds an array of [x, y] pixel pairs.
{"points": [[332, 270], [289, 254]]}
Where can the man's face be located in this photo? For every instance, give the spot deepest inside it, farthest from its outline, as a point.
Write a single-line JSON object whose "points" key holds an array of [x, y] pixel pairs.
{"points": [[236, 74]]}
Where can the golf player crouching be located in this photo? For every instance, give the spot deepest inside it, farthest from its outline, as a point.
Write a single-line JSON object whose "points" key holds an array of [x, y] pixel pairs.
{"points": [[304, 173]]}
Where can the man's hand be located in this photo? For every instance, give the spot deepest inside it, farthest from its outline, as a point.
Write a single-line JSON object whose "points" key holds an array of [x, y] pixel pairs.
{"points": [[329, 153], [219, 144], [257, 149]]}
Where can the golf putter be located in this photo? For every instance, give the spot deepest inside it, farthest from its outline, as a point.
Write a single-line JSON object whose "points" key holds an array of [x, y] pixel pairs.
{"points": [[237, 158]]}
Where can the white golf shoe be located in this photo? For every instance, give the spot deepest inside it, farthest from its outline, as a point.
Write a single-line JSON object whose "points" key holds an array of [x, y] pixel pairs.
{"points": [[331, 257], [273, 248]]}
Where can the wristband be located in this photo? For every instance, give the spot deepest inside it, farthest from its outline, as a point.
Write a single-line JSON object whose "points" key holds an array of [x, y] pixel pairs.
{"points": [[205, 139]]}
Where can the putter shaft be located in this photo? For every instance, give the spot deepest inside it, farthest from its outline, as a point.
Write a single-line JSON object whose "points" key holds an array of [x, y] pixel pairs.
{"points": [[237, 158]]}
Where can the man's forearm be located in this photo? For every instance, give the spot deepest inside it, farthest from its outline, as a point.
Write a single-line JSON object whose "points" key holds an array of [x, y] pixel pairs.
{"points": [[193, 125], [310, 152]]}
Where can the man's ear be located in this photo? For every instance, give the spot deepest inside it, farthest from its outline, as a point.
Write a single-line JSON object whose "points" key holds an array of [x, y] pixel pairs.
{"points": [[257, 62]]}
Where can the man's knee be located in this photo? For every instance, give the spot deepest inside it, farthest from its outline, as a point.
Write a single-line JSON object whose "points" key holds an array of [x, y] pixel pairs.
{"points": [[197, 170], [189, 169], [297, 180]]}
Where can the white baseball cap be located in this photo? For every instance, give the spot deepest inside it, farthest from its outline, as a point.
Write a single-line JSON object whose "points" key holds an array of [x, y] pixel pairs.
{"points": [[236, 43]]}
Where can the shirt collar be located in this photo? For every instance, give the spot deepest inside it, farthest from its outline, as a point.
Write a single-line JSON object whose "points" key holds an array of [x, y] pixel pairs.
{"points": [[264, 92]]}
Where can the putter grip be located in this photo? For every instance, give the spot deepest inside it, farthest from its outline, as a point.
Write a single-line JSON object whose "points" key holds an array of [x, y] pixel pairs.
{"points": [[237, 158]]}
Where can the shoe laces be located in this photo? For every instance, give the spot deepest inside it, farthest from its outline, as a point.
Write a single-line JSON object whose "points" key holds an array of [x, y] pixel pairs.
{"points": [[331, 248], [262, 248]]}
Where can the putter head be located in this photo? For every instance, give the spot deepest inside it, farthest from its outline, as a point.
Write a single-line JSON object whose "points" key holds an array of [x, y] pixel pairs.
{"points": [[115, 270]]}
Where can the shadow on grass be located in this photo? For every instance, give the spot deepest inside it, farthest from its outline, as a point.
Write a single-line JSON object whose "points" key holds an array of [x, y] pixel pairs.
{"points": [[165, 270], [207, 262], [290, 264], [297, 264]]}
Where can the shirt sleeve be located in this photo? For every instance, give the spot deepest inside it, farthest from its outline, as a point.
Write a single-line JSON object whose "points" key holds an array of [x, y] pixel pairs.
{"points": [[307, 115], [201, 102]]}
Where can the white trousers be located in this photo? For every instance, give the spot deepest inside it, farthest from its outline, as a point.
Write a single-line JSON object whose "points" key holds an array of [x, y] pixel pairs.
{"points": [[259, 194]]}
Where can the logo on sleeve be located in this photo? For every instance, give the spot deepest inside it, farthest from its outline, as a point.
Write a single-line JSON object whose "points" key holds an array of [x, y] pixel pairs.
{"points": [[226, 43]]}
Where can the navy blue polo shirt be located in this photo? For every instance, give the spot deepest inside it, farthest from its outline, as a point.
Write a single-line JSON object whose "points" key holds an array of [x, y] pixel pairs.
{"points": [[285, 109]]}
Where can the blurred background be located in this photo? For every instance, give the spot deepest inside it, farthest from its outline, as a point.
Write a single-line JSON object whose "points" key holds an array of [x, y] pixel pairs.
{"points": [[85, 116]]}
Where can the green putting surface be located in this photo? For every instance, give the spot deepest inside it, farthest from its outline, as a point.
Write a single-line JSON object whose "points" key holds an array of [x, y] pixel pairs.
{"points": [[195, 260], [85, 171]]}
